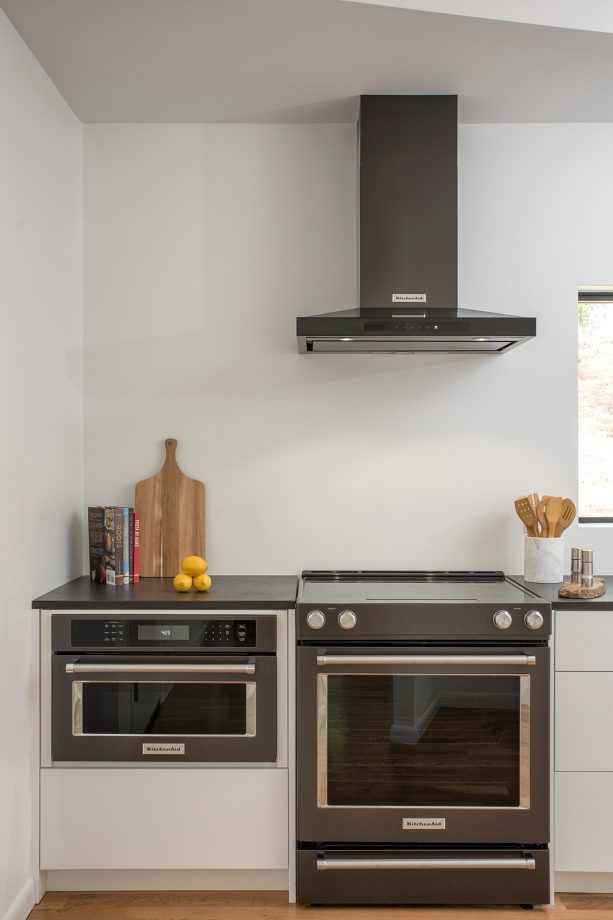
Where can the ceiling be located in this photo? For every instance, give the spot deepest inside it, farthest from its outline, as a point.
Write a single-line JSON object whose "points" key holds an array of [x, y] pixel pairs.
{"points": [[594, 15], [306, 60]]}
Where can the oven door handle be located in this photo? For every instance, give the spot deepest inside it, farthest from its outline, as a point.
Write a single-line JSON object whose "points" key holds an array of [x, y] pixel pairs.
{"points": [[521, 660], [516, 862], [78, 667]]}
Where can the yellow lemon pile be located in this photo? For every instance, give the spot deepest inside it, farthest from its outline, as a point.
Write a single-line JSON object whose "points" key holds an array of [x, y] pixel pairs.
{"points": [[192, 575]]}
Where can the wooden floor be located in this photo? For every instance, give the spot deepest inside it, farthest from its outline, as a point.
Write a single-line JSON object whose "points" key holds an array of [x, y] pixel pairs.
{"points": [[219, 905]]}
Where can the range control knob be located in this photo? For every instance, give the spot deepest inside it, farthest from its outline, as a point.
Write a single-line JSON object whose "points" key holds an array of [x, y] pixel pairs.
{"points": [[347, 619], [316, 619], [502, 619], [534, 619]]}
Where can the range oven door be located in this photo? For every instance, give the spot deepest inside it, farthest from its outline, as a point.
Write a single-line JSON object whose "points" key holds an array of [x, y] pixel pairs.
{"points": [[164, 708], [423, 745]]}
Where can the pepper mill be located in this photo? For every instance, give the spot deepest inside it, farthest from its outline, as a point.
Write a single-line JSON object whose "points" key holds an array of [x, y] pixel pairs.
{"points": [[587, 568]]}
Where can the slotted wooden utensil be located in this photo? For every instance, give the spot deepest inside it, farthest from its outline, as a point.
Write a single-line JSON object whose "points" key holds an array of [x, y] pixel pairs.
{"points": [[567, 516], [526, 515], [171, 508], [553, 513]]}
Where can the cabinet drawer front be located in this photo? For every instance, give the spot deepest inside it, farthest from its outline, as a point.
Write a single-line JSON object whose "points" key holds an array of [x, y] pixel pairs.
{"points": [[164, 819], [584, 640], [584, 822], [583, 738]]}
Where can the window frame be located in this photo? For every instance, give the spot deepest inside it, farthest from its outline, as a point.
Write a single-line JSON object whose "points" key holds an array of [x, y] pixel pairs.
{"points": [[596, 294]]}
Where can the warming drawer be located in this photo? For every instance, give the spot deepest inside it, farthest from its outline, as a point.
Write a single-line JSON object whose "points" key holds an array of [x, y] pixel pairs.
{"points": [[413, 876]]}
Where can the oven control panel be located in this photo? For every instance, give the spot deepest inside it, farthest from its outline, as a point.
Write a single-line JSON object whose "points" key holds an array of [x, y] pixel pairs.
{"points": [[170, 633], [399, 622]]}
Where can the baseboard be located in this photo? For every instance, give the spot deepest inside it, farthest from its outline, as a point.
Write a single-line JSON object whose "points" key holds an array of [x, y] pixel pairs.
{"points": [[23, 902], [167, 880], [585, 882]]}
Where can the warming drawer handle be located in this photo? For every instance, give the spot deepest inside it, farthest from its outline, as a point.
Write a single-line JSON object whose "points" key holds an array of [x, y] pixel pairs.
{"points": [[521, 660], [77, 667], [522, 862]]}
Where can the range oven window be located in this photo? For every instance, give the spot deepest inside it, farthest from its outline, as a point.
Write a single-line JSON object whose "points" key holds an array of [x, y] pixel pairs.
{"points": [[423, 740], [153, 708]]}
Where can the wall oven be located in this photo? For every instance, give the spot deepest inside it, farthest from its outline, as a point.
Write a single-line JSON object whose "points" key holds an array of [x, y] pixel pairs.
{"points": [[423, 740], [164, 688]]}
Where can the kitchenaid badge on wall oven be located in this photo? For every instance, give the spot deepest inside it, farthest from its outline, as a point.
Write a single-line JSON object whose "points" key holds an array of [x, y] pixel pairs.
{"points": [[426, 824]]}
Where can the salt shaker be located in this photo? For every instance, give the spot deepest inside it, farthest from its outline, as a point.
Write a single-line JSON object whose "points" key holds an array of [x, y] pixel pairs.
{"points": [[575, 566]]}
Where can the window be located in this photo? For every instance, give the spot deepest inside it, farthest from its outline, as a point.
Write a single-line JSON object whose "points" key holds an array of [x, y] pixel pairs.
{"points": [[595, 315]]}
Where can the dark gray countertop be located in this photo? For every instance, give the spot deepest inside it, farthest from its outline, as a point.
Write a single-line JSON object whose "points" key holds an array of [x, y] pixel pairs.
{"points": [[236, 592], [228, 592], [550, 593]]}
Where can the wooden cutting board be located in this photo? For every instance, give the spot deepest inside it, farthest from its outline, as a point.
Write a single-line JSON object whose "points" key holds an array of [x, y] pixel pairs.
{"points": [[171, 508]]}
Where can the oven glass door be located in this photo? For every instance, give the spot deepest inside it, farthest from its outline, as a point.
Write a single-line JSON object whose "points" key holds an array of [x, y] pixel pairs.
{"points": [[196, 708], [179, 707], [430, 744], [424, 740]]}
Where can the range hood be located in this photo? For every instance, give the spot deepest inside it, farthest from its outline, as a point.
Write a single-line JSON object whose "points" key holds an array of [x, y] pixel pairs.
{"points": [[408, 243]]}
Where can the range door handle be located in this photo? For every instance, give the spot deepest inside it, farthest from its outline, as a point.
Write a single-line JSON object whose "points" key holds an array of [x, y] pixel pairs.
{"points": [[516, 660], [514, 862], [79, 667]]}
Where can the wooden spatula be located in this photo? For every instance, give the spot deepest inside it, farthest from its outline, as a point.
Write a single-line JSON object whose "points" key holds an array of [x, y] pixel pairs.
{"points": [[567, 517], [526, 515], [553, 513]]}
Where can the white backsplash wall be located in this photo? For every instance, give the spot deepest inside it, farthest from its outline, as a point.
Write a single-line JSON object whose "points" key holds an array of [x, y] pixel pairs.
{"points": [[202, 245], [41, 404]]}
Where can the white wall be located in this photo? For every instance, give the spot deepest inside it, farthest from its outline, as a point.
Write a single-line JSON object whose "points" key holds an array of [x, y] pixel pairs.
{"points": [[41, 410], [202, 245]]}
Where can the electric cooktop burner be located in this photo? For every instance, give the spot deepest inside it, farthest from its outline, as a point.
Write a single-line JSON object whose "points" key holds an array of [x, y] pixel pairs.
{"points": [[413, 587]]}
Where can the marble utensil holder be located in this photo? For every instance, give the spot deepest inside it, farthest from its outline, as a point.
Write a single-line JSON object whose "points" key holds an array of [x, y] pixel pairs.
{"points": [[544, 559]]}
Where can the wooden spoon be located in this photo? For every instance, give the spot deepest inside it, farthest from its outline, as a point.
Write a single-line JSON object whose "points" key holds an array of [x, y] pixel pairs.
{"points": [[553, 513], [533, 501], [526, 515], [540, 513], [567, 517]]}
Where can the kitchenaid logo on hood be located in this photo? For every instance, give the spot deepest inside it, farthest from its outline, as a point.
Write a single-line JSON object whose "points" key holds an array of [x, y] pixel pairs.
{"points": [[163, 748], [409, 298], [423, 824]]}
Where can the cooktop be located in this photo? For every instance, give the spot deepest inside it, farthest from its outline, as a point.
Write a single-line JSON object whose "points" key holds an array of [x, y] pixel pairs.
{"points": [[369, 606], [347, 587]]}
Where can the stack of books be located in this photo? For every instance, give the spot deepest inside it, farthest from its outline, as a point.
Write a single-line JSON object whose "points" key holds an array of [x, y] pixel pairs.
{"points": [[114, 545]]}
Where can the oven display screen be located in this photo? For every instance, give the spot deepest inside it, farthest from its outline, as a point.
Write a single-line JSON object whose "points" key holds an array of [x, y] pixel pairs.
{"points": [[152, 632], [135, 633]]}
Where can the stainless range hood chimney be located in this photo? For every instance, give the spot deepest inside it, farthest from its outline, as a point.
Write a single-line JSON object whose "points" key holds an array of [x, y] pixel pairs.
{"points": [[408, 242]]}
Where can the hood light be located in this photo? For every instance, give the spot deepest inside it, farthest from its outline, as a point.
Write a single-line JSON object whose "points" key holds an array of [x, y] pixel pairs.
{"points": [[346, 339], [481, 338]]}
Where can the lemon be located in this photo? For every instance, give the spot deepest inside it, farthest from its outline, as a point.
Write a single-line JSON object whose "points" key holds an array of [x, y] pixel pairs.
{"points": [[202, 582], [194, 565], [182, 582]]}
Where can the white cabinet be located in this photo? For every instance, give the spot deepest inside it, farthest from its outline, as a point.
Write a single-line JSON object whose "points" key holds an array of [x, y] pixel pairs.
{"points": [[584, 822], [584, 640], [584, 739], [583, 755], [164, 818]]}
